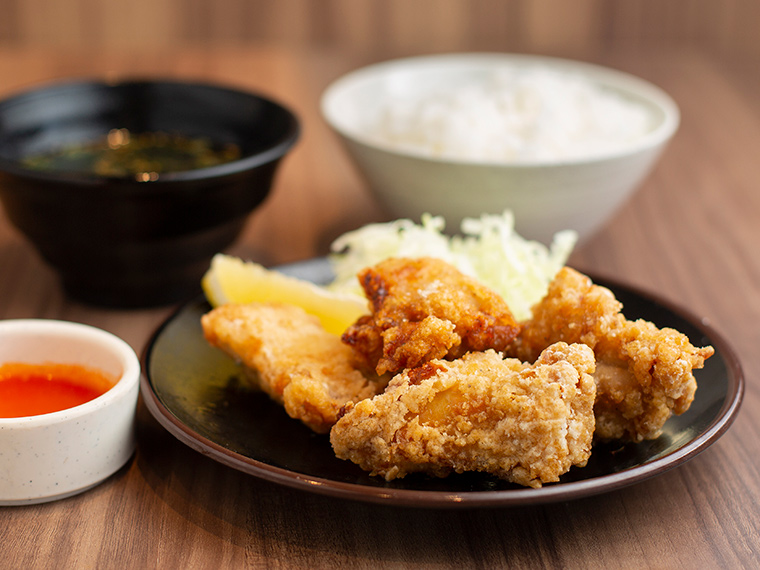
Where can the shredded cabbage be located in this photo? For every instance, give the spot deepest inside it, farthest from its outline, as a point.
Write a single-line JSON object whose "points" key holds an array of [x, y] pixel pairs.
{"points": [[488, 249]]}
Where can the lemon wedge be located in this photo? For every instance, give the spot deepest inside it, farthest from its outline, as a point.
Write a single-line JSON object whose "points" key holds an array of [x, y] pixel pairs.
{"points": [[232, 280]]}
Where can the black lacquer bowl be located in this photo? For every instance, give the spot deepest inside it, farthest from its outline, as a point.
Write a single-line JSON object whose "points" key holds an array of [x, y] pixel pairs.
{"points": [[119, 241], [197, 393]]}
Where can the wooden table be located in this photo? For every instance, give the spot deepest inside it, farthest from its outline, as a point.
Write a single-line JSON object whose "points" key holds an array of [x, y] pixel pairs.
{"points": [[691, 234]]}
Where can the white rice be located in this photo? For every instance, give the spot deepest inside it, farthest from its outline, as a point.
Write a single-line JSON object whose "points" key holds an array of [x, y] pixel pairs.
{"points": [[519, 114]]}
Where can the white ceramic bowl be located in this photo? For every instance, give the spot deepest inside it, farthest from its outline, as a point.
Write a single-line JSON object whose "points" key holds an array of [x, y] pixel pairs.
{"points": [[546, 196], [56, 455]]}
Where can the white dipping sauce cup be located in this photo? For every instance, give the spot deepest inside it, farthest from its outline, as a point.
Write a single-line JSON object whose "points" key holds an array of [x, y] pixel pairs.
{"points": [[52, 456]]}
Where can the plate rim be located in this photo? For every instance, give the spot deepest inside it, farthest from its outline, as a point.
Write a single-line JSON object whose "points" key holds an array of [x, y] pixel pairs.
{"points": [[468, 499]]}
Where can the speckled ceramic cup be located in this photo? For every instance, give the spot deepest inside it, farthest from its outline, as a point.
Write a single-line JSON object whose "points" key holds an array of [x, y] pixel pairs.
{"points": [[56, 455]]}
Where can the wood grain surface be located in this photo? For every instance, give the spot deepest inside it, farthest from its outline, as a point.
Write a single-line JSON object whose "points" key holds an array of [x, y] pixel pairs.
{"points": [[384, 27], [691, 234]]}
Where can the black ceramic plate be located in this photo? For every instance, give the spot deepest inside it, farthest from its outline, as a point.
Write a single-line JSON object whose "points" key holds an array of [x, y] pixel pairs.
{"points": [[197, 394]]}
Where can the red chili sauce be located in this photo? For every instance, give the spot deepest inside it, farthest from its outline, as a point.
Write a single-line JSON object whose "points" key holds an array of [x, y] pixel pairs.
{"points": [[34, 389]]}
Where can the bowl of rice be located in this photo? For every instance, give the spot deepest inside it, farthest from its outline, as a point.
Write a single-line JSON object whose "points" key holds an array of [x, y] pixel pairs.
{"points": [[562, 144]]}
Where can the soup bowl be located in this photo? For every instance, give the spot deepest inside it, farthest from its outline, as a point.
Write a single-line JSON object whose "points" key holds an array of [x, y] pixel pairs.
{"points": [[143, 238]]}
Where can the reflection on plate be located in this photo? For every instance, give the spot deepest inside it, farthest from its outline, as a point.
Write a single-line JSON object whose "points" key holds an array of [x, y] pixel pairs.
{"points": [[197, 394]]}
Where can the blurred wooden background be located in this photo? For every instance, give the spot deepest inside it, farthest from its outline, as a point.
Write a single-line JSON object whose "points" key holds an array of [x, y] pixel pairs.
{"points": [[385, 27]]}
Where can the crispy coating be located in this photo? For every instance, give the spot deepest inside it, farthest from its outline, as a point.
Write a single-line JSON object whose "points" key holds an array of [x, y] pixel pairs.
{"points": [[288, 354], [643, 374], [524, 423], [425, 309]]}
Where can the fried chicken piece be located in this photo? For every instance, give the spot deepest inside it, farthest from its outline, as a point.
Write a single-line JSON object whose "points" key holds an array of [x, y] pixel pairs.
{"points": [[288, 354], [524, 423], [425, 309], [643, 373]]}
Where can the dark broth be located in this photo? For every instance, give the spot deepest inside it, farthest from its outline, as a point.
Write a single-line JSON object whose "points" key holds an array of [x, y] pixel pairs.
{"points": [[143, 155]]}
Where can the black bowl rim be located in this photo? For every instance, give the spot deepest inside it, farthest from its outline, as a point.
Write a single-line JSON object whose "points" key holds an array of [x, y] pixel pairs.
{"points": [[287, 140]]}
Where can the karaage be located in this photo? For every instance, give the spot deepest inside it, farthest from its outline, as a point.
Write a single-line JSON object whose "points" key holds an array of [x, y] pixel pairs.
{"points": [[289, 355], [425, 309], [524, 423], [643, 374]]}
